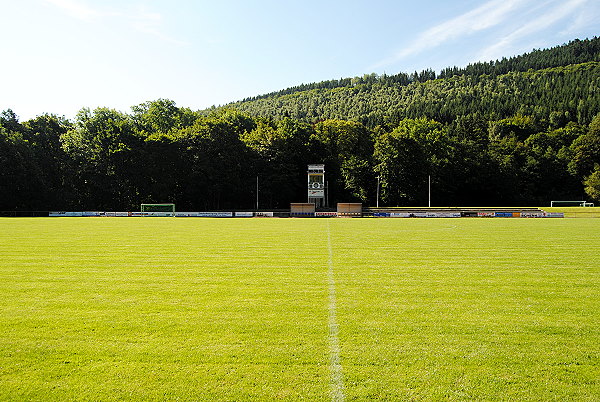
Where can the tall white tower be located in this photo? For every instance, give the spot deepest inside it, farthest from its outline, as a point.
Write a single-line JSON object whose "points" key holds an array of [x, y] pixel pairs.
{"points": [[316, 185]]}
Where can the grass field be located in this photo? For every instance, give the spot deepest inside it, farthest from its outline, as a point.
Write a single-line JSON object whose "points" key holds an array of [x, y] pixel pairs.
{"points": [[264, 309]]}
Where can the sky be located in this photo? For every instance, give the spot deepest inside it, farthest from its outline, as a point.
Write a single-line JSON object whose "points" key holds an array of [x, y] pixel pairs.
{"points": [[59, 56]]}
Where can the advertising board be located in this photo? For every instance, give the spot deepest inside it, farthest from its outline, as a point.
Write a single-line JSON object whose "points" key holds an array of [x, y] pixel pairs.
{"points": [[486, 214], [244, 214], [381, 214], [205, 214], [504, 214], [325, 214], [532, 214], [56, 213], [215, 214], [263, 214], [73, 213]]}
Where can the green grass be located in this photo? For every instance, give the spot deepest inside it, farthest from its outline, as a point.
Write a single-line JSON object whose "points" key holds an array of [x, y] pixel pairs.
{"points": [[234, 309], [576, 212]]}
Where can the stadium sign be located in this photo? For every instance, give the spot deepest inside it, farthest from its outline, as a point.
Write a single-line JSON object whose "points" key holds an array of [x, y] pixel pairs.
{"points": [[244, 214]]}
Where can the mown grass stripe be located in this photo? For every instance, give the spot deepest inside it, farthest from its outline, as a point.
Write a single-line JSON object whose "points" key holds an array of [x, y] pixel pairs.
{"points": [[337, 378]]}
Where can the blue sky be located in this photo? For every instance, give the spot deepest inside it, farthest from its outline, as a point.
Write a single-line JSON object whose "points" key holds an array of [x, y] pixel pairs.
{"points": [[62, 55]]}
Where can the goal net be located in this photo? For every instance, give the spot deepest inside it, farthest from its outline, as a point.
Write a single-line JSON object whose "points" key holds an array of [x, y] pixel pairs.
{"points": [[158, 209]]}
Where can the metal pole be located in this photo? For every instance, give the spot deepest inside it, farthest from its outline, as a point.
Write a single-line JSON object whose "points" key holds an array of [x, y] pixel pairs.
{"points": [[378, 178], [257, 193], [429, 191]]}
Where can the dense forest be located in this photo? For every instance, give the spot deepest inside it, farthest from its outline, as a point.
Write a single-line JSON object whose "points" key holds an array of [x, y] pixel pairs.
{"points": [[518, 131]]}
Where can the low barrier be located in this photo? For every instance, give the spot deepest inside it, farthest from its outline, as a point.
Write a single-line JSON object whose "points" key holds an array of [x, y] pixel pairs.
{"points": [[381, 214], [376, 214], [486, 214], [264, 214], [349, 214], [204, 214], [326, 214], [532, 215], [448, 215], [243, 214], [302, 214]]}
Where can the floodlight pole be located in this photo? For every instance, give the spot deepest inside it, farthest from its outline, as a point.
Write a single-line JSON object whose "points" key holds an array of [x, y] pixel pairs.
{"points": [[378, 179], [429, 191], [257, 193]]}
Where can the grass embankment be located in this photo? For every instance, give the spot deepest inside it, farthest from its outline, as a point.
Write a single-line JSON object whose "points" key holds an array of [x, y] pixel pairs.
{"points": [[165, 308], [576, 212]]}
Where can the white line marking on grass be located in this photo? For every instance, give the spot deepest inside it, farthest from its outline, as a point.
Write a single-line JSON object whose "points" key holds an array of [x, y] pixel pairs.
{"points": [[335, 366]]}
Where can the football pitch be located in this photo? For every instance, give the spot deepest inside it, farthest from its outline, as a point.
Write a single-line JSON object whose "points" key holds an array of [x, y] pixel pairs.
{"points": [[315, 309]]}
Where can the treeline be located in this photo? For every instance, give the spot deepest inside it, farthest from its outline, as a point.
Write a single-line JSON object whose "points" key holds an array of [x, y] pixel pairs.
{"points": [[109, 160], [519, 131], [575, 52], [557, 95]]}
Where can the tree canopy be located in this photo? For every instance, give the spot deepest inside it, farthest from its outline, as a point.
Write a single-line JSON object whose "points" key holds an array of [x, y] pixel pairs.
{"points": [[518, 131]]}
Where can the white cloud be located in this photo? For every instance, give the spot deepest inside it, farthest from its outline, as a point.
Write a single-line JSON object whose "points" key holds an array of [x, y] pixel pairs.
{"points": [[76, 9], [511, 43], [140, 19], [586, 17], [514, 25], [484, 17], [150, 22], [145, 21]]}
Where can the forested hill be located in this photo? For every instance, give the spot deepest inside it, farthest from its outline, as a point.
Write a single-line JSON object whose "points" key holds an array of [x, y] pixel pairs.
{"points": [[516, 132], [562, 83], [575, 52]]}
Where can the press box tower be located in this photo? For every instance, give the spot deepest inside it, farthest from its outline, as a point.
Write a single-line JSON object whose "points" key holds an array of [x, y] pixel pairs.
{"points": [[316, 185]]}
